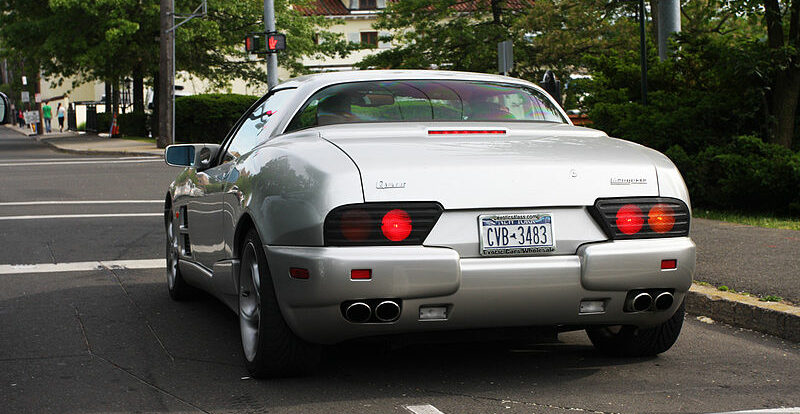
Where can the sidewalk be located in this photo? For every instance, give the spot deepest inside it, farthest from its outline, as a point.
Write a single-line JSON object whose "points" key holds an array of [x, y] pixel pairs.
{"points": [[87, 143]]}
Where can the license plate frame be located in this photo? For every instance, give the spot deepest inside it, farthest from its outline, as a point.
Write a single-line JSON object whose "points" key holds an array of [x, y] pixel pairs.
{"points": [[494, 241]]}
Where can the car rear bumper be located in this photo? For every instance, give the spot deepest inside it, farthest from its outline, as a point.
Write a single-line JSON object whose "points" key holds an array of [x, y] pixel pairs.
{"points": [[478, 292]]}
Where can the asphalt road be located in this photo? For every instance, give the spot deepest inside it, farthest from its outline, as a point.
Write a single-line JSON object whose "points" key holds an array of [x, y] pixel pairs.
{"points": [[107, 339], [748, 259]]}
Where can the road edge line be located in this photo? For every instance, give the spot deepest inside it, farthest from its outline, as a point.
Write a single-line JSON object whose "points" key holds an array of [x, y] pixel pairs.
{"points": [[778, 319]]}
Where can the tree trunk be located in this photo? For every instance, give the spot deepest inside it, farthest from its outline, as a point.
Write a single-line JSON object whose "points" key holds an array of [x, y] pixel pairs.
{"points": [[108, 96], [784, 107], [154, 113], [115, 97], [786, 86], [138, 89]]}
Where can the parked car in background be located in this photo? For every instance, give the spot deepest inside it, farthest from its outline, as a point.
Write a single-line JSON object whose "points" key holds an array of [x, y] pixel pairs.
{"points": [[371, 203]]}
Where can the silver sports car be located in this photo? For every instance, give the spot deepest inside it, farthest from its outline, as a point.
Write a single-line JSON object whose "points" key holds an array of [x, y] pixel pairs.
{"points": [[374, 203]]}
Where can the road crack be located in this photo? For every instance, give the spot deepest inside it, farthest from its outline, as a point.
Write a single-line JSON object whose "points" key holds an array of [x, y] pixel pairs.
{"points": [[529, 403], [141, 313], [127, 371]]}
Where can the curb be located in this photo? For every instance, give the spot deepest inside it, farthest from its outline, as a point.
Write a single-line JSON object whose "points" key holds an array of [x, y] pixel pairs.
{"points": [[98, 152], [772, 318]]}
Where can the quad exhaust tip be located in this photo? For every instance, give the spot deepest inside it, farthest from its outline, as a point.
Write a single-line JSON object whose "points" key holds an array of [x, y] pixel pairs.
{"points": [[358, 312], [664, 301], [387, 311], [642, 302]]}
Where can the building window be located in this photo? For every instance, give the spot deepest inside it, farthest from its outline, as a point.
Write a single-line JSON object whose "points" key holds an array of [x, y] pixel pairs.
{"points": [[368, 4], [369, 38]]}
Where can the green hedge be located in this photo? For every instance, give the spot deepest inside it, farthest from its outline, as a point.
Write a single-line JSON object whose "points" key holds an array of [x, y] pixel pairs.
{"points": [[133, 124], [208, 118], [745, 175]]}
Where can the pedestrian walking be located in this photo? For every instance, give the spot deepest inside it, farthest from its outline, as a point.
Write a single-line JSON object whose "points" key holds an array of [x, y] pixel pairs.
{"points": [[47, 111], [60, 115], [21, 117]]}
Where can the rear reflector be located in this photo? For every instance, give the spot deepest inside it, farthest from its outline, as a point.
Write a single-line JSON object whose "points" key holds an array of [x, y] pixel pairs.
{"points": [[299, 273], [361, 274], [465, 131], [669, 264]]}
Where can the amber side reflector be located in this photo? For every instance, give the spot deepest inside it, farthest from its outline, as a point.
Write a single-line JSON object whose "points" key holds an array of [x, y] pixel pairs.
{"points": [[361, 274], [465, 131], [299, 273], [669, 264]]}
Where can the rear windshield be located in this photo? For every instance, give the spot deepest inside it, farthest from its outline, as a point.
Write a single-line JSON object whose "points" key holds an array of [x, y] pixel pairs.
{"points": [[412, 101]]}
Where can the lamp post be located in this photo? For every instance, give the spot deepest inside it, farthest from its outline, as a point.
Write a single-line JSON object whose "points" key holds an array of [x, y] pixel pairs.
{"points": [[642, 47]]}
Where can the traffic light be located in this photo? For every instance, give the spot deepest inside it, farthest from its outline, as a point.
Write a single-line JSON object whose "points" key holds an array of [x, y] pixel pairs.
{"points": [[253, 43], [260, 43], [276, 42]]}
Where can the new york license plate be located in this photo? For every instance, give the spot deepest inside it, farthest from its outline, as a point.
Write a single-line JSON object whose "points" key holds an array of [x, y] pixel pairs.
{"points": [[516, 234]]}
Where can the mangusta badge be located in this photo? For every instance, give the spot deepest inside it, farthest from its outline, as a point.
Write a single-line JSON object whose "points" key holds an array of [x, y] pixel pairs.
{"points": [[383, 185], [628, 181]]}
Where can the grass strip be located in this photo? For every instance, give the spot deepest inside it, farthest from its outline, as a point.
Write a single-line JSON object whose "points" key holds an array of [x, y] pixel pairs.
{"points": [[763, 220]]}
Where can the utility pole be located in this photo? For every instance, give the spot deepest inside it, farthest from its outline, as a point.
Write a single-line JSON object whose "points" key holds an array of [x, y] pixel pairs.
{"points": [[669, 22], [166, 81], [272, 58], [643, 51]]}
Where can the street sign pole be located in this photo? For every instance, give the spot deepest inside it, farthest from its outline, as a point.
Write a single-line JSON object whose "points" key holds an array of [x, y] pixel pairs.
{"points": [[643, 52], [272, 58]]}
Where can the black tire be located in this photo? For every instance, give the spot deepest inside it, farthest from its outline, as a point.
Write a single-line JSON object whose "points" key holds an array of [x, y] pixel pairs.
{"points": [[178, 288], [269, 346], [630, 341]]}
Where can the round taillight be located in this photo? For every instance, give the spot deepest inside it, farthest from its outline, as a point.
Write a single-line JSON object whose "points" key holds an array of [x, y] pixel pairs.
{"points": [[661, 218], [396, 225], [629, 219], [356, 225]]}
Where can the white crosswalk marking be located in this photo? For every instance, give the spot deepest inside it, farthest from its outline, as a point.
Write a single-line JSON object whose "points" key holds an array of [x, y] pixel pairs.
{"points": [[59, 202], [78, 216], [423, 409], [18, 269], [60, 163]]}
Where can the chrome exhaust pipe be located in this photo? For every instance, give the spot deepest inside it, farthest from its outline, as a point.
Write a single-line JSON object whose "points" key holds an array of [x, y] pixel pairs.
{"points": [[358, 312], [641, 302], [387, 311], [664, 301]]}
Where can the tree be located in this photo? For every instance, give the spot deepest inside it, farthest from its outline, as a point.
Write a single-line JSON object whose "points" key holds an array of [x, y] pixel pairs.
{"points": [[463, 34], [108, 40], [448, 34]]}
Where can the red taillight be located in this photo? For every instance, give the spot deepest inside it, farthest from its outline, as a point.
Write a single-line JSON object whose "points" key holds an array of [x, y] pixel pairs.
{"points": [[661, 218], [356, 225], [396, 225], [361, 274], [299, 273], [629, 219]]}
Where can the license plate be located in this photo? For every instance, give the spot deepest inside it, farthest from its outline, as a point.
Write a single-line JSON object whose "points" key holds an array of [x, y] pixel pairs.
{"points": [[516, 234]]}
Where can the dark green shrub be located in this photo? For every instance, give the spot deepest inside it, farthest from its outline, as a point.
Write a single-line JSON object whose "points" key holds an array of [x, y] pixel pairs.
{"points": [[208, 118], [133, 124], [104, 122], [745, 175]]}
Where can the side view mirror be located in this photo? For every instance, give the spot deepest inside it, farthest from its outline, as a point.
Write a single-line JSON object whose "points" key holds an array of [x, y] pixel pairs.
{"points": [[191, 155], [5, 109]]}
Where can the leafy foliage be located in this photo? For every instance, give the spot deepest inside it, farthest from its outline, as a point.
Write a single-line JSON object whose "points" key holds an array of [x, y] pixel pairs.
{"points": [[108, 39], [208, 118], [746, 174]]}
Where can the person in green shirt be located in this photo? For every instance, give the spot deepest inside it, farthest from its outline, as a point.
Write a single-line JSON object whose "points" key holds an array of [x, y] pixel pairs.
{"points": [[47, 111]]}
